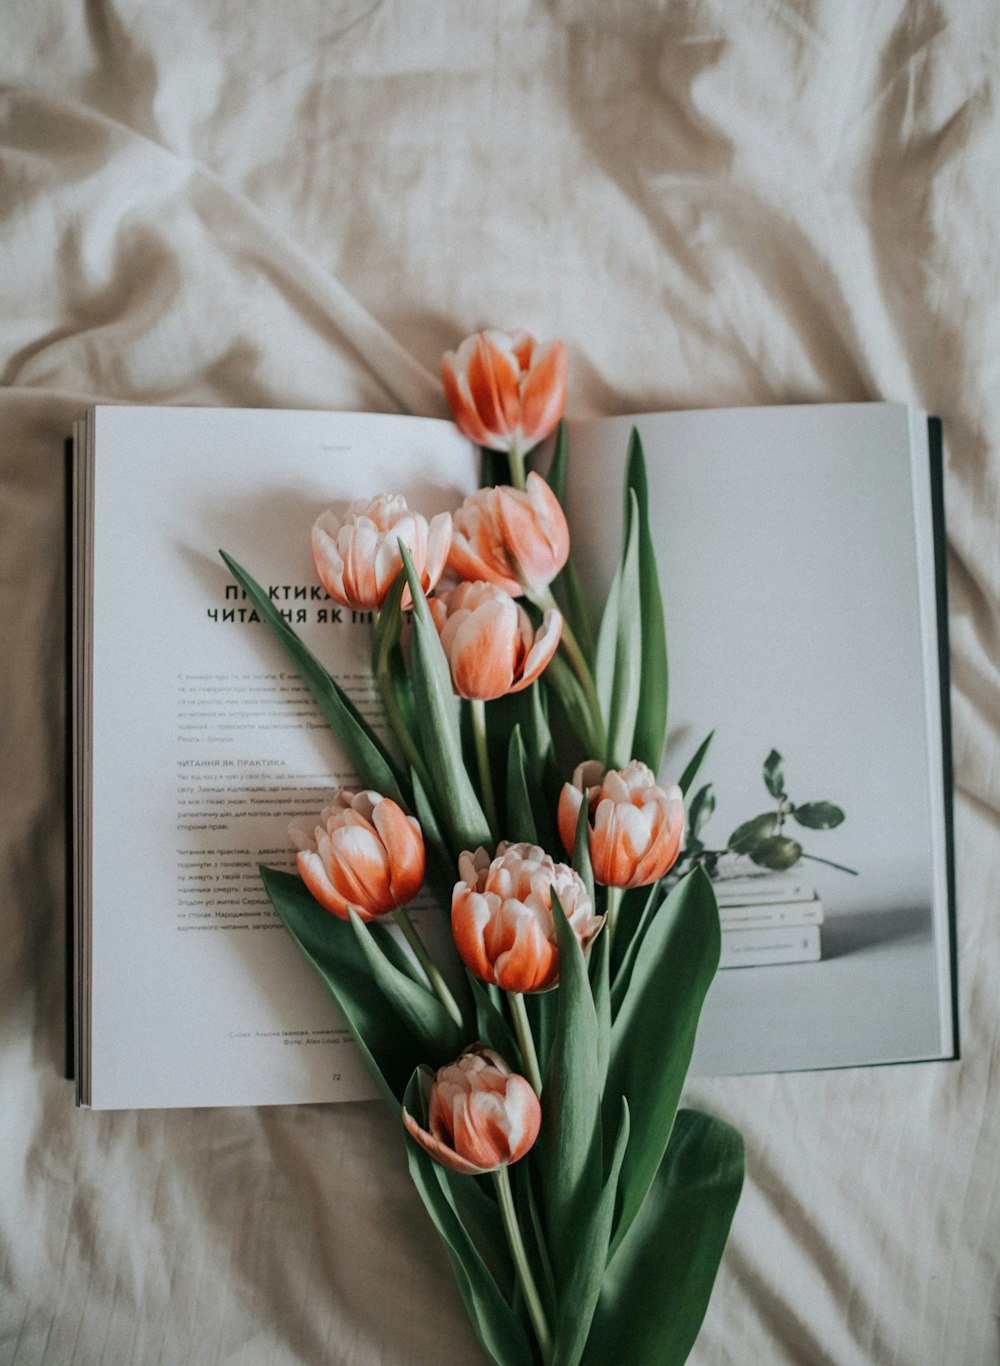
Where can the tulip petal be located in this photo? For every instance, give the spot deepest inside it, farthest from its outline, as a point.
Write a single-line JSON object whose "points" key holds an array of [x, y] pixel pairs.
{"points": [[545, 645], [438, 1150], [313, 874], [493, 377], [543, 392]]}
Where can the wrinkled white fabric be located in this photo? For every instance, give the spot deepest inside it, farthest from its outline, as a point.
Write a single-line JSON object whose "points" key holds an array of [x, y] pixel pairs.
{"points": [[304, 205]]}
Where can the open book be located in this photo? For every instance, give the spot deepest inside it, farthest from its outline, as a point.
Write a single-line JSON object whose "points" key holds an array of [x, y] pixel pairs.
{"points": [[801, 557]]}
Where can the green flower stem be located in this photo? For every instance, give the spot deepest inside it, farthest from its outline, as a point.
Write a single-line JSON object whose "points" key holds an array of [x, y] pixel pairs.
{"points": [[543, 599], [525, 1280], [427, 963], [529, 1058], [483, 760], [815, 858], [615, 895], [516, 460]]}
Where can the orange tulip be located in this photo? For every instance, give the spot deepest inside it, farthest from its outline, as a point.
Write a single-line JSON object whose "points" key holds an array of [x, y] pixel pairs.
{"points": [[491, 645], [357, 556], [505, 391], [501, 915], [515, 538], [635, 827], [365, 853], [482, 1116]]}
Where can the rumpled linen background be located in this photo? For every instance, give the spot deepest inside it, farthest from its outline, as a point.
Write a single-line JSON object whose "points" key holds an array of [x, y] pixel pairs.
{"points": [[303, 205]]}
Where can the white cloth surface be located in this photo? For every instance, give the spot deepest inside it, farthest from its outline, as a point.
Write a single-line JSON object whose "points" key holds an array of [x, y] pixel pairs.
{"points": [[302, 206]]}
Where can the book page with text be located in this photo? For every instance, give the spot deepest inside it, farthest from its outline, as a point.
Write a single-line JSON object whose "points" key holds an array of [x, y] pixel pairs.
{"points": [[206, 743]]}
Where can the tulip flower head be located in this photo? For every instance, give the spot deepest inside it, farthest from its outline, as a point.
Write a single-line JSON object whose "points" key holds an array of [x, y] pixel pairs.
{"points": [[635, 827], [489, 641], [505, 390], [501, 915], [364, 853], [515, 538], [481, 1115], [357, 556]]}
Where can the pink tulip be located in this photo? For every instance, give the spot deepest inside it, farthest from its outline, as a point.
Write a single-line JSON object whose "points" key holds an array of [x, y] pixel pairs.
{"points": [[635, 827], [501, 915], [482, 1116], [357, 556], [505, 391], [364, 853], [515, 538], [491, 646]]}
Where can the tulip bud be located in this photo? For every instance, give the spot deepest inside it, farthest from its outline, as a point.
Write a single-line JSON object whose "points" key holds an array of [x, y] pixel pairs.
{"points": [[480, 1114], [635, 827], [505, 391], [490, 644], [515, 538], [365, 854], [357, 556], [501, 915]]}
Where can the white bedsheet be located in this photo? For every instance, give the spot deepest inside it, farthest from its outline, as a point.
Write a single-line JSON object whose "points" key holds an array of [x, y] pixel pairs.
{"points": [[303, 205]]}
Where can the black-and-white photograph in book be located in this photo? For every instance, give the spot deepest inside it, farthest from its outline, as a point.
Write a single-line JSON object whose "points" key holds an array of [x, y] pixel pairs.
{"points": [[797, 558]]}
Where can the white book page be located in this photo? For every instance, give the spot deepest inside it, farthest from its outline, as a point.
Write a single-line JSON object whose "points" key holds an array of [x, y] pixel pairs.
{"points": [[798, 578], [206, 743]]}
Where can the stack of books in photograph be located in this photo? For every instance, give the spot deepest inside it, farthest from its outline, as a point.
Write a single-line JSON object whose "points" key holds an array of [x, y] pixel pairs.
{"points": [[768, 918]]}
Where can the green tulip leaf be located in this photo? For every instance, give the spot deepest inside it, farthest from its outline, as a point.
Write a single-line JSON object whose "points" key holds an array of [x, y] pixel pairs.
{"points": [[619, 649], [520, 826], [439, 725], [438, 1036], [623, 972], [673, 1249], [491, 1026], [774, 774], [566, 586], [777, 853], [747, 836], [690, 774], [501, 1335], [385, 1041], [579, 1299], [440, 874], [818, 815], [599, 967], [369, 757], [581, 850], [653, 1034], [571, 1129], [651, 721]]}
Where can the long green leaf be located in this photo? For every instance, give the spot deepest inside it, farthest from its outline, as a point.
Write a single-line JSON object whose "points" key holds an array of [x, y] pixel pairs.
{"points": [[571, 1093], [440, 874], [491, 1027], [651, 720], [694, 767], [619, 649], [653, 1035], [671, 1255], [439, 726], [500, 1333], [436, 1033], [520, 827], [386, 1044], [623, 971], [579, 1299], [567, 584], [369, 757]]}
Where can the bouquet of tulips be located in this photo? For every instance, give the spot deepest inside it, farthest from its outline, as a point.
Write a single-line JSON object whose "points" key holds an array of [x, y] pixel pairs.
{"points": [[538, 1070]]}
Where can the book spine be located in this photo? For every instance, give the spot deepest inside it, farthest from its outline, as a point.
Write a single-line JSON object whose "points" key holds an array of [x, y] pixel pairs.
{"points": [[766, 916], [760, 948]]}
